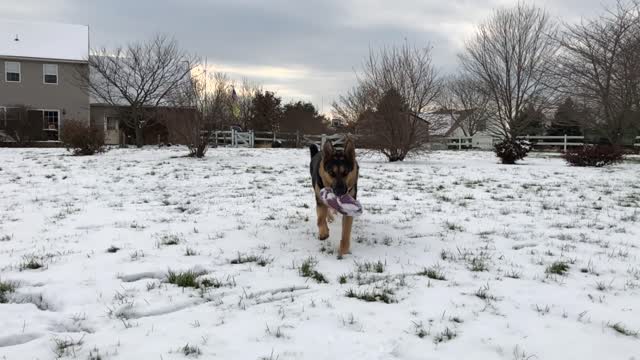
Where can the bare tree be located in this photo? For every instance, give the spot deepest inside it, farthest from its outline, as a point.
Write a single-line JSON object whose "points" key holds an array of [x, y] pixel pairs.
{"points": [[393, 129], [409, 70], [512, 57], [187, 120], [139, 76], [600, 68], [396, 85], [351, 106], [466, 102], [245, 95], [219, 100]]}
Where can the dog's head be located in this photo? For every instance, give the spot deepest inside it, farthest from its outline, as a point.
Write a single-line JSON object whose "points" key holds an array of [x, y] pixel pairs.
{"points": [[339, 169]]}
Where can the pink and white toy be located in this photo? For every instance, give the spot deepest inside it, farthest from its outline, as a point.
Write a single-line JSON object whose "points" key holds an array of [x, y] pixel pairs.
{"points": [[345, 204]]}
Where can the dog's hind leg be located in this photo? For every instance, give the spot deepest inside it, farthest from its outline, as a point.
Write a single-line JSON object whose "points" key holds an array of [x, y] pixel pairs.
{"points": [[345, 241], [323, 228]]}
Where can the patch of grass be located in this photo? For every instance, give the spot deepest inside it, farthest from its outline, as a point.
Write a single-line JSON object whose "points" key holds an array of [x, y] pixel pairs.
{"points": [[558, 268], [67, 347], [513, 274], [190, 252], [169, 240], [6, 238], [31, 263], [270, 357], [113, 249], [602, 286], [478, 264], [185, 278], [483, 293], [6, 288], [446, 335], [419, 330], [434, 273], [342, 279], [136, 255], [258, 259], [543, 310], [622, 329], [308, 269], [376, 267], [277, 334], [190, 350], [94, 354], [453, 226], [384, 295]]}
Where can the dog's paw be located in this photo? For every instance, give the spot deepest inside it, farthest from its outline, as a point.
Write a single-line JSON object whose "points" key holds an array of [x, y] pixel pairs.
{"points": [[342, 252], [323, 236]]}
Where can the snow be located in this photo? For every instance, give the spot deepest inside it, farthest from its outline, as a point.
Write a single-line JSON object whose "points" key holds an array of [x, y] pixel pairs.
{"points": [[44, 40], [450, 211]]}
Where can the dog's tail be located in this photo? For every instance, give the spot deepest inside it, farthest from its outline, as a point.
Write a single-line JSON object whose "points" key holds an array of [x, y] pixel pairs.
{"points": [[314, 150]]}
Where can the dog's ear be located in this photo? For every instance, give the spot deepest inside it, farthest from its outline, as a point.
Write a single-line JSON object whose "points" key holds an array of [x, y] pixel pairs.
{"points": [[350, 150], [327, 150]]}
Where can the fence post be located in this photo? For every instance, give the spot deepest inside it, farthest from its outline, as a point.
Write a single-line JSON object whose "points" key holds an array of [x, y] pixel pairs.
{"points": [[297, 138], [565, 142], [233, 138], [459, 143], [253, 139]]}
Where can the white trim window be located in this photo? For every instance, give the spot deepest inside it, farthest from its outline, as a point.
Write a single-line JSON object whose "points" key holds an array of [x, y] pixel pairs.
{"points": [[50, 74], [12, 71], [111, 123], [51, 119]]}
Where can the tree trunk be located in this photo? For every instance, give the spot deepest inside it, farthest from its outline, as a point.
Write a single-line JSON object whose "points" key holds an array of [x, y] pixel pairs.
{"points": [[139, 137]]}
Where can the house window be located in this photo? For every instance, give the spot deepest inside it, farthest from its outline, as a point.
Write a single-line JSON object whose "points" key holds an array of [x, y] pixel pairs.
{"points": [[51, 119], [111, 123], [12, 71], [50, 73]]}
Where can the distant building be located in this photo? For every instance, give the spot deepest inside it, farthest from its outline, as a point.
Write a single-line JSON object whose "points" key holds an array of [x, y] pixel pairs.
{"points": [[40, 63]]}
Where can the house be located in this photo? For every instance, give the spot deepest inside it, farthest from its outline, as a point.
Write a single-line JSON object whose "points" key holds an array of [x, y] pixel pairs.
{"points": [[445, 129], [40, 86]]}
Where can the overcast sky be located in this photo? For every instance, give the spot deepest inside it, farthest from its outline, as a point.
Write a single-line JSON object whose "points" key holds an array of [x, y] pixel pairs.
{"points": [[303, 49]]}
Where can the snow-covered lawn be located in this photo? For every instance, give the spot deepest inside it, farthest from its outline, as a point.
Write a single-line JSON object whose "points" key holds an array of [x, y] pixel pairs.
{"points": [[535, 261]]}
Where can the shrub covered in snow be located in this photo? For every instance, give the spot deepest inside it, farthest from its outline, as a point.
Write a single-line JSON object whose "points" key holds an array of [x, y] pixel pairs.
{"points": [[82, 139], [510, 151], [594, 155]]}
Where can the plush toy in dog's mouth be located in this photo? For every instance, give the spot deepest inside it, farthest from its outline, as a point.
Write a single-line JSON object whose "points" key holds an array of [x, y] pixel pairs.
{"points": [[345, 204]]}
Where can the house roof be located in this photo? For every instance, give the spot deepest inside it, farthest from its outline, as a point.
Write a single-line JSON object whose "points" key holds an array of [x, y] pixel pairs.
{"points": [[41, 40], [440, 123]]}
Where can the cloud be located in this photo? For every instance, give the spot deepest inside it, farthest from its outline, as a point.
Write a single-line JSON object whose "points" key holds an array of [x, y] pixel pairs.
{"points": [[307, 49]]}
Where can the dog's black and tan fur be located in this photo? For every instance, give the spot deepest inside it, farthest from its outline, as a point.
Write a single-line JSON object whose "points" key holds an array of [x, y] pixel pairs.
{"points": [[336, 169]]}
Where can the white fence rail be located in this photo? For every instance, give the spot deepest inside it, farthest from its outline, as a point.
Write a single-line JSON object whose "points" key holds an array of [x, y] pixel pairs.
{"points": [[235, 138], [637, 142], [564, 141], [337, 140]]}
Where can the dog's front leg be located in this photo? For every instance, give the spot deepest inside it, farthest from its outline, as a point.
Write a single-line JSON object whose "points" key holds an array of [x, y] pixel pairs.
{"points": [[345, 242], [323, 228]]}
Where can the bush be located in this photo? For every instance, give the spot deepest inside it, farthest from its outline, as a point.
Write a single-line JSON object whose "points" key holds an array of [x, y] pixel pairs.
{"points": [[594, 155], [510, 151], [81, 138]]}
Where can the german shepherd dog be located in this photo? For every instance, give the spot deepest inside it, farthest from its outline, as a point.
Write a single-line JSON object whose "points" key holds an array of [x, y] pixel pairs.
{"points": [[336, 169]]}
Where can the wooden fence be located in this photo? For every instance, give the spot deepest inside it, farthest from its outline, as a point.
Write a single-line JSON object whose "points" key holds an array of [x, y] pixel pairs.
{"points": [[235, 138]]}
